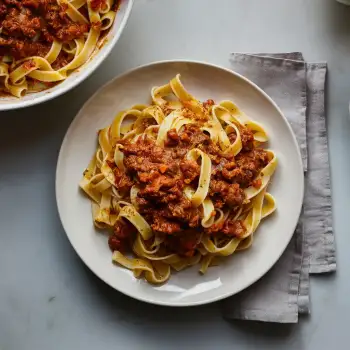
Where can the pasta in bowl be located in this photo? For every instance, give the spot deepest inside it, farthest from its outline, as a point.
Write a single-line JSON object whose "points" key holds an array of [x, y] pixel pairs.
{"points": [[49, 46], [179, 182]]}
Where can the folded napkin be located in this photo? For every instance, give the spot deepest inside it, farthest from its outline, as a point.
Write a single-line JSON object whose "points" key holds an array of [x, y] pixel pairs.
{"points": [[298, 88]]}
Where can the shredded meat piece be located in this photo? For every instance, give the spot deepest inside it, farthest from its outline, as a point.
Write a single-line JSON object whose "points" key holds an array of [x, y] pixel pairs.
{"points": [[146, 177], [161, 224], [232, 137], [178, 153], [137, 164], [61, 61], [215, 154], [190, 170], [195, 111], [161, 189], [247, 138], [248, 165], [208, 103], [116, 5], [31, 3], [21, 23], [215, 228], [161, 197], [97, 5], [234, 228], [71, 31], [172, 139], [230, 194], [28, 64], [193, 136], [184, 212], [122, 236], [3, 9], [257, 183], [184, 243], [21, 49], [123, 181]]}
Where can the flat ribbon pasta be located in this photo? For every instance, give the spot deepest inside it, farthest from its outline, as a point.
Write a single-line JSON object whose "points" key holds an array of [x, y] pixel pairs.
{"points": [[155, 273], [231, 113], [165, 127], [204, 178], [130, 213], [227, 249], [115, 130], [264, 176]]}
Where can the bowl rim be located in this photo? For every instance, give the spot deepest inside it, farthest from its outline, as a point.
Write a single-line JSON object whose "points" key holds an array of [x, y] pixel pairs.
{"points": [[83, 74], [223, 295]]}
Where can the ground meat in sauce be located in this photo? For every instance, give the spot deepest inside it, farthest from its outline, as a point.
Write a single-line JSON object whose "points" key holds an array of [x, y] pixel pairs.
{"points": [[184, 243], [62, 60], [123, 181], [30, 26], [172, 139], [248, 165], [222, 193], [232, 228], [163, 172], [247, 138], [122, 236], [98, 5], [21, 48]]}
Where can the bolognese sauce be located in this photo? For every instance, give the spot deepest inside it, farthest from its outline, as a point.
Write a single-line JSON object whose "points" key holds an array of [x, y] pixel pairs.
{"points": [[162, 173], [29, 28]]}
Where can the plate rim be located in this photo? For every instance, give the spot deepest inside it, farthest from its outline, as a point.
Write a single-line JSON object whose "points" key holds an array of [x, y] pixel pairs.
{"points": [[300, 176]]}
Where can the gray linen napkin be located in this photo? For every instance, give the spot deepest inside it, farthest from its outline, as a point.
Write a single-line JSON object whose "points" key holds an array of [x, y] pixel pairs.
{"points": [[298, 88]]}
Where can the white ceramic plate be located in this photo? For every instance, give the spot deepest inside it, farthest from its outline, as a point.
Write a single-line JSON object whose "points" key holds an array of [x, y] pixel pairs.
{"points": [[80, 74], [187, 287]]}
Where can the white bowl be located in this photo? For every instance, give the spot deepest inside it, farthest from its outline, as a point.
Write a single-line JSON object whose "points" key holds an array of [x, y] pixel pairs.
{"points": [[80, 74], [186, 287]]}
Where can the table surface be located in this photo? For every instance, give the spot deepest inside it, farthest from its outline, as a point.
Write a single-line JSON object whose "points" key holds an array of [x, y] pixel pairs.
{"points": [[50, 300]]}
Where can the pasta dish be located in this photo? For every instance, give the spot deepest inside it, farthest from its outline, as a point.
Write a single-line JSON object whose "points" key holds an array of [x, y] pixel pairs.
{"points": [[179, 182], [42, 41]]}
